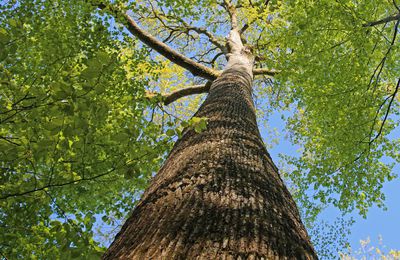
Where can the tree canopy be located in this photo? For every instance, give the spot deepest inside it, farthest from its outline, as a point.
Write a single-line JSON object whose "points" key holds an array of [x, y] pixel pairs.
{"points": [[84, 125]]}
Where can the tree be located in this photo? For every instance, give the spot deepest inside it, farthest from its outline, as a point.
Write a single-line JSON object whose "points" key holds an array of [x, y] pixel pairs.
{"points": [[369, 250], [58, 105], [218, 194], [64, 132]]}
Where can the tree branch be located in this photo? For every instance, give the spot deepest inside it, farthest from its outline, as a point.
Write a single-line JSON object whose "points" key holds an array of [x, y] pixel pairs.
{"points": [[197, 89], [50, 185], [82, 179], [185, 27], [195, 68], [382, 63], [392, 97], [395, 5], [210, 36], [262, 71], [180, 93], [200, 89], [232, 13], [244, 28], [247, 25], [384, 20]]}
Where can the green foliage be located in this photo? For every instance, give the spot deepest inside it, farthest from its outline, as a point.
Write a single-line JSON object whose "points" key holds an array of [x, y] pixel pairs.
{"points": [[329, 238], [337, 80], [369, 250], [75, 141], [198, 124], [79, 139]]}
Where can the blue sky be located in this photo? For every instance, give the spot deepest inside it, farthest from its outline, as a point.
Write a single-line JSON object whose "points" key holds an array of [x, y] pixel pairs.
{"points": [[378, 222]]}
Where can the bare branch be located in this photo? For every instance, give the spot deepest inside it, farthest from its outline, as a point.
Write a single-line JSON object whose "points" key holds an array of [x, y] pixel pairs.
{"points": [[215, 58], [384, 20], [210, 36], [8, 139], [201, 57], [195, 68], [185, 27], [180, 93], [197, 89], [262, 71]]}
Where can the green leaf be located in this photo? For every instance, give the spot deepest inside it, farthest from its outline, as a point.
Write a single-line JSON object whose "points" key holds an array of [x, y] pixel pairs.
{"points": [[170, 132], [4, 36]]}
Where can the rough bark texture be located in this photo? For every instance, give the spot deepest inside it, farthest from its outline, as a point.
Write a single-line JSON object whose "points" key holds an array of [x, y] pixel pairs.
{"points": [[218, 195]]}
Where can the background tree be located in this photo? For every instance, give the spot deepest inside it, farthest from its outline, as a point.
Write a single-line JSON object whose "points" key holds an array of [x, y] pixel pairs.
{"points": [[59, 61], [70, 144], [368, 250]]}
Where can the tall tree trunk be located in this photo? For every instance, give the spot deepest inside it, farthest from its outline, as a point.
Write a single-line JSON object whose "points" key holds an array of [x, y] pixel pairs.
{"points": [[218, 195]]}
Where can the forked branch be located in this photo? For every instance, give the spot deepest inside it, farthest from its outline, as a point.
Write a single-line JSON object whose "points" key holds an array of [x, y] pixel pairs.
{"points": [[195, 68], [231, 9], [392, 98], [182, 26], [384, 20], [199, 89], [247, 25]]}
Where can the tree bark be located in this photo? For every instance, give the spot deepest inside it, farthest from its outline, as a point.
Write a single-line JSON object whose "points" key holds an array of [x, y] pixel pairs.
{"points": [[218, 195]]}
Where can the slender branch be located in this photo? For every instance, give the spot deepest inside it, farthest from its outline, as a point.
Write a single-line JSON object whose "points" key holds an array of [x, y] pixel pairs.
{"points": [[2, 255], [180, 93], [262, 71], [382, 63], [370, 138], [197, 89], [244, 28], [200, 89], [392, 97], [8, 139], [395, 5], [51, 185], [384, 20], [201, 56], [62, 212], [215, 58], [247, 25], [195, 68], [185, 27], [232, 13], [210, 36]]}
